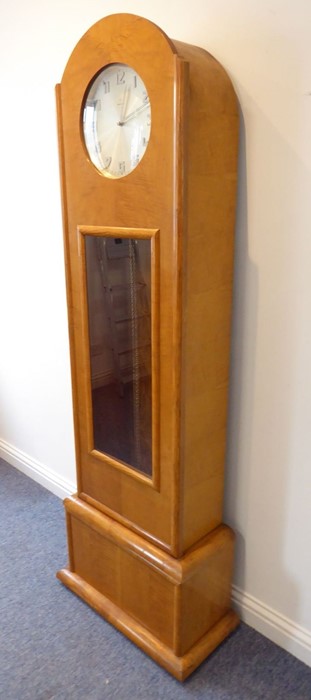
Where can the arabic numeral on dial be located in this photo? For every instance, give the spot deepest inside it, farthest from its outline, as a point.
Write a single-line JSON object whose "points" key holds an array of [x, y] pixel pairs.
{"points": [[135, 81], [106, 84], [148, 116], [122, 167], [106, 162], [120, 77]]}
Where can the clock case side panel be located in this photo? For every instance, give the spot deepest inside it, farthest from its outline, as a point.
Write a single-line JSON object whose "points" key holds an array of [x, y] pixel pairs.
{"points": [[208, 252]]}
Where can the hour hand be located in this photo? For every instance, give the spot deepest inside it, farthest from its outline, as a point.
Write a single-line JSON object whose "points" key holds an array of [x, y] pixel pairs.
{"points": [[124, 105]]}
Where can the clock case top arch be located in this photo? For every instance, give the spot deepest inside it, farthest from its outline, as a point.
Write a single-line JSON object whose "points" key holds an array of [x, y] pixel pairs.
{"points": [[183, 192]]}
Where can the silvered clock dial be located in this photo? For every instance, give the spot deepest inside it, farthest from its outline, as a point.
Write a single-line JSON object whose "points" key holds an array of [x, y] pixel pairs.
{"points": [[116, 120]]}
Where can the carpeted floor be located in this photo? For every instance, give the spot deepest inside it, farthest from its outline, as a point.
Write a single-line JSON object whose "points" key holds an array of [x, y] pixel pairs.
{"points": [[54, 647]]}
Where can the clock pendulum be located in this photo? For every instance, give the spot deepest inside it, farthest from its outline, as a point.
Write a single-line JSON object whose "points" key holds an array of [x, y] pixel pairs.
{"points": [[148, 139]]}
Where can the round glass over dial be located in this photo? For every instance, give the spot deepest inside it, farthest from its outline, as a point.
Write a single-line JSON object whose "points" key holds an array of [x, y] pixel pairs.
{"points": [[116, 120]]}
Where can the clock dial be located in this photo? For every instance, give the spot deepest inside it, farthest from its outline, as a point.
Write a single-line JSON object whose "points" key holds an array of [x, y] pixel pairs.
{"points": [[116, 120]]}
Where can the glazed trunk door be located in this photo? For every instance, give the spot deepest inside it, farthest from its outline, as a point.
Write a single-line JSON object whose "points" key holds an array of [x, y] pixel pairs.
{"points": [[120, 273], [122, 240]]}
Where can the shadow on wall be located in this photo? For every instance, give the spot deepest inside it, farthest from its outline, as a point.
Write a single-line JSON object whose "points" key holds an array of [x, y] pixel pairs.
{"points": [[262, 385], [241, 396]]}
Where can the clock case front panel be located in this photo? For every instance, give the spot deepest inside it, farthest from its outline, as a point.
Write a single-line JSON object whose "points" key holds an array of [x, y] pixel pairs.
{"points": [[193, 213], [181, 197]]}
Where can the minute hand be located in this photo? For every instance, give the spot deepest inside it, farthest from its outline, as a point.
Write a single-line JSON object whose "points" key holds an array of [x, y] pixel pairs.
{"points": [[133, 114]]}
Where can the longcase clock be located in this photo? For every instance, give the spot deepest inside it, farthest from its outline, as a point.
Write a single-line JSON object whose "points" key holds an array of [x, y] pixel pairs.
{"points": [[148, 150]]}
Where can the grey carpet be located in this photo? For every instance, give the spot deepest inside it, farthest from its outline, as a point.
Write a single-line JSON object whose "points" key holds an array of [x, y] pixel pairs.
{"points": [[53, 646]]}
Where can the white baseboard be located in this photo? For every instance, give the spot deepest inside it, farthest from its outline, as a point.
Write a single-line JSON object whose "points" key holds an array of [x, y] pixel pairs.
{"points": [[36, 471], [276, 627]]}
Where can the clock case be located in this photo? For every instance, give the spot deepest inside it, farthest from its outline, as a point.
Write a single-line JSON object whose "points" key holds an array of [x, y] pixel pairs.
{"points": [[150, 552]]}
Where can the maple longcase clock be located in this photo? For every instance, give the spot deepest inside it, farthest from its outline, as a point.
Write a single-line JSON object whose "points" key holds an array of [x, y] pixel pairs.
{"points": [[148, 149]]}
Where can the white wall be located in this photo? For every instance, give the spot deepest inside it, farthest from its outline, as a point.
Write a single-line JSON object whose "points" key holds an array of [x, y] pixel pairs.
{"points": [[265, 46]]}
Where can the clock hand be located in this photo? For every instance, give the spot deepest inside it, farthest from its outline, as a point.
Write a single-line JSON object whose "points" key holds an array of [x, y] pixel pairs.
{"points": [[133, 114], [124, 104]]}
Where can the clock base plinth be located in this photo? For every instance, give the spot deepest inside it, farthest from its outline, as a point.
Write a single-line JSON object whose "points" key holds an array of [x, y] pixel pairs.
{"points": [[179, 666], [176, 610]]}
